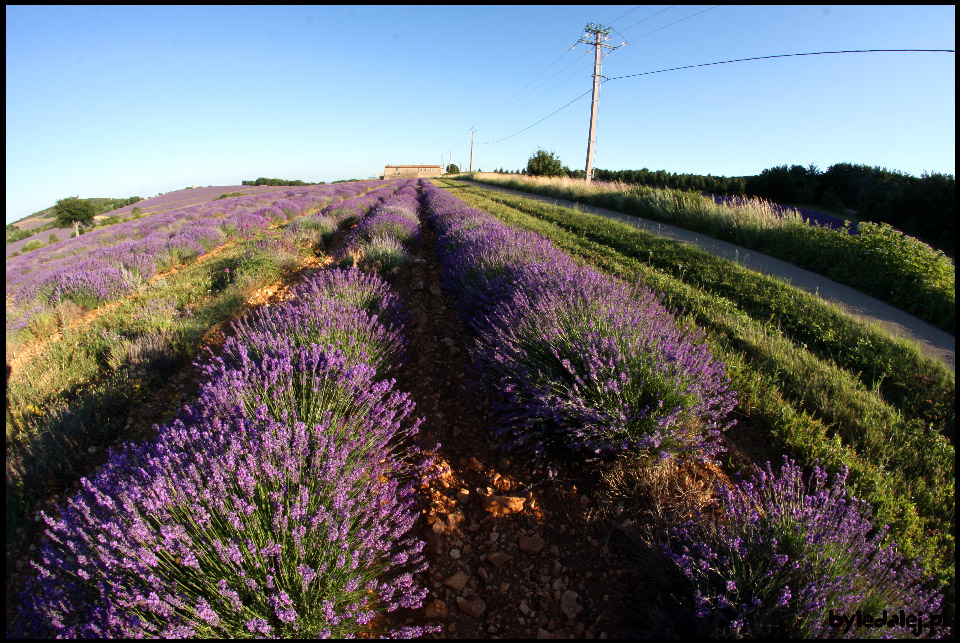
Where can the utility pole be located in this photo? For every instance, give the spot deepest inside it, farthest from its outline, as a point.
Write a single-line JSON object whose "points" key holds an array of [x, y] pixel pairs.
{"points": [[471, 148], [450, 162], [599, 34]]}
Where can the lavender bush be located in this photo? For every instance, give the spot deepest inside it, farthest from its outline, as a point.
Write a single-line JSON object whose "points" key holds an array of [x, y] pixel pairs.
{"points": [[781, 553], [365, 291], [599, 367], [385, 255], [279, 505], [574, 360], [239, 527]]}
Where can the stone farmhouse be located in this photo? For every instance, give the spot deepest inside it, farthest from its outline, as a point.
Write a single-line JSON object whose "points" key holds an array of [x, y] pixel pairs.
{"points": [[411, 171]]}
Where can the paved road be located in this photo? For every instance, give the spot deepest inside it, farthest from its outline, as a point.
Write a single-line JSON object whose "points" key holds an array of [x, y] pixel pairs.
{"points": [[931, 340]]}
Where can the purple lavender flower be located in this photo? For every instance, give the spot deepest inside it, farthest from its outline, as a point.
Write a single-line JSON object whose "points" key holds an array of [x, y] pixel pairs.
{"points": [[782, 551]]}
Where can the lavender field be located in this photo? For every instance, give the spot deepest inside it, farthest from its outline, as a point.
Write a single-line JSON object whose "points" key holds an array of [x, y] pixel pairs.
{"points": [[153, 205], [224, 421]]}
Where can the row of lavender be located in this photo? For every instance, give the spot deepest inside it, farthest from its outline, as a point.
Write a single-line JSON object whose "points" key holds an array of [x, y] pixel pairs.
{"points": [[575, 360], [153, 205], [278, 505], [105, 264], [578, 362], [385, 239]]}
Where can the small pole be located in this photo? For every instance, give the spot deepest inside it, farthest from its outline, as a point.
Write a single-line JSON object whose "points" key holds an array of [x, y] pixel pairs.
{"points": [[471, 149]]}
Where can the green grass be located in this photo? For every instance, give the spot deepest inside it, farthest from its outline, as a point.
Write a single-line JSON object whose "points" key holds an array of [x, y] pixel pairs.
{"points": [[879, 261], [78, 391], [812, 382]]}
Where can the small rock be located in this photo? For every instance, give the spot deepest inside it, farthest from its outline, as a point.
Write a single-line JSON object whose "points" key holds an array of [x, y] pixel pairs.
{"points": [[433, 542], [531, 544], [482, 573], [463, 496], [504, 588], [498, 558], [504, 463], [473, 608], [524, 608], [503, 504], [455, 554], [474, 465], [436, 609], [457, 582], [92, 450], [569, 605], [494, 536], [544, 634]]}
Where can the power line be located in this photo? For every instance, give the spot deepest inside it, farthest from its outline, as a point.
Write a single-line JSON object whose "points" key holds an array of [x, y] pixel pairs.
{"points": [[675, 22], [521, 90], [723, 62], [814, 53], [610, 22], [517, 100], [649, 17], [519, 107], [538, 122]]}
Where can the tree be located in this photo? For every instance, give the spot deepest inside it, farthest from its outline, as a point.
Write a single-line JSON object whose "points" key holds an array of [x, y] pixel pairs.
{"points": [[545, 163], [73, 211], [453, 169]]}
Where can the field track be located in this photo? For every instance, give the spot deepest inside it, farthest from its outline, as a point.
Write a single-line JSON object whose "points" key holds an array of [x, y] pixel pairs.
{"points": [[931, 340]]}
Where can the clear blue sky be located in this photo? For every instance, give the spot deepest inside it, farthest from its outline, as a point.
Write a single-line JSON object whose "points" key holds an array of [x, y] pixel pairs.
{"points": [[118, 101]]}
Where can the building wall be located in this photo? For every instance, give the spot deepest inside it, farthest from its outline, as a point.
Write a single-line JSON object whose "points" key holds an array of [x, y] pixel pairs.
{"points": [[411, 171]]}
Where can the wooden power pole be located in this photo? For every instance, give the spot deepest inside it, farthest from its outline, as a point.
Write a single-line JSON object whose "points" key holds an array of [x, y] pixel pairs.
{"points": [[599, 34], [471, 148]]}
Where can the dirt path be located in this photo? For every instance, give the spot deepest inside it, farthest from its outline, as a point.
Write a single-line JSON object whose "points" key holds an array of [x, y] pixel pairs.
{"points": [[510, 553], [931, 340]]}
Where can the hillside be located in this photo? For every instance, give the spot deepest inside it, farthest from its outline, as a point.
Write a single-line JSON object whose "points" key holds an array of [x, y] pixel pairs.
{"points": [[425, 408]]}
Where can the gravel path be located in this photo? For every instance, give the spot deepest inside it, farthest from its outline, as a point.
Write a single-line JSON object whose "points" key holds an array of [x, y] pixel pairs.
{"points": [[931, 340]]}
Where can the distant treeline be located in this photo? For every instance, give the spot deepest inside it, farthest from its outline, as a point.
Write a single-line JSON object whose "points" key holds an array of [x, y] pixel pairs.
{"points": [[263, 181], [923, 207]]}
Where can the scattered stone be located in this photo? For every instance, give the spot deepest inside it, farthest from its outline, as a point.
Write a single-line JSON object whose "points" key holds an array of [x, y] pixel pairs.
{"points": [[503, 504], [544, 634], [482, 573], [554, 551], [463, 496], [504, 588], [454, 519], [473, 608], [92, 450], [524, 608], [455, 554], [504, 463], [436, 609], [457, 582], [569, 605], [494, 536], [474, 465], [498, 558], [531, 544]]}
